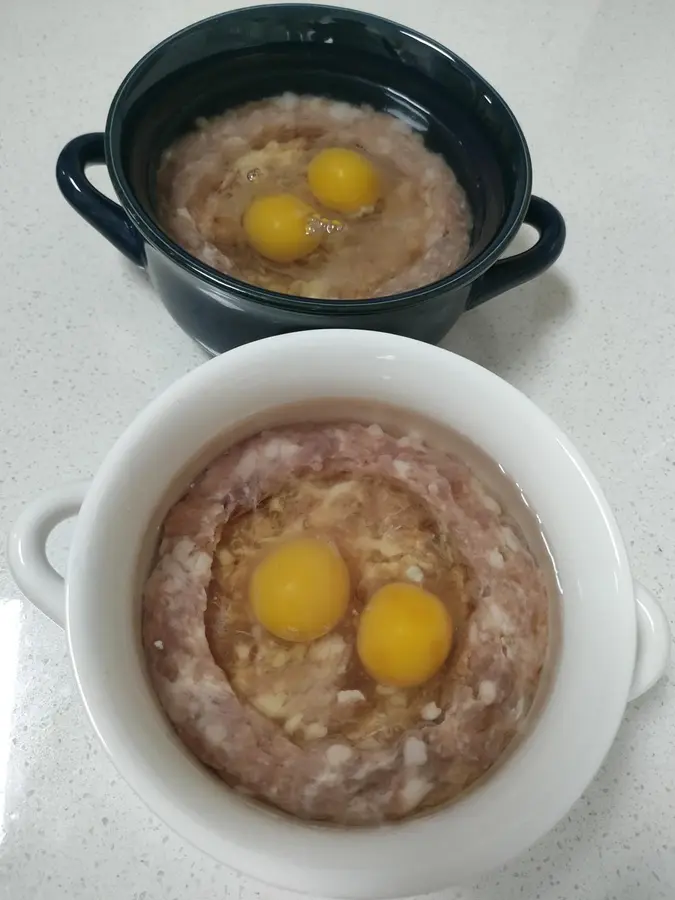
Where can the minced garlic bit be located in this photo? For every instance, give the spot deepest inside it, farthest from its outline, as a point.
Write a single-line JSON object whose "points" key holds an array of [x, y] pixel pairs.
{"points": [[413, 792], [495, 559], [487, 692], [338, 754], [293, 723], [270, 704], [430, 712], [315, 731], [414, 573], [414, 752], [350, 697], [159, 645]]}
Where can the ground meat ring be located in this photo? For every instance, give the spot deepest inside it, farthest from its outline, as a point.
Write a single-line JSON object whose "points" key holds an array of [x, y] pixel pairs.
{"points": [[494, 677], [418, 232]]}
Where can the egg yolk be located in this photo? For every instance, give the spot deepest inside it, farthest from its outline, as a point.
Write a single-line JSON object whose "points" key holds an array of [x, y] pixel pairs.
{"points": [[404, 635], [277, 227], [300, 590], [343, 180]]}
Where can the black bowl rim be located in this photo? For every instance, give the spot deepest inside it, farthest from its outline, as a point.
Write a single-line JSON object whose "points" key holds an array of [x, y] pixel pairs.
{"points": [[249, 292]]}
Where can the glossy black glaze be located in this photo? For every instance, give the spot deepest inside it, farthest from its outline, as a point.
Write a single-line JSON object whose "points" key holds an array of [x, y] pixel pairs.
{"points": [[259, 52], [106, 216]]}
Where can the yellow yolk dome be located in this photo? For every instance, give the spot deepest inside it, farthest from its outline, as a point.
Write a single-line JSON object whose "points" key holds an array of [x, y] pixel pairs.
{"points": [[300, 590], [404, 635], [277, 227], [343, 180]]}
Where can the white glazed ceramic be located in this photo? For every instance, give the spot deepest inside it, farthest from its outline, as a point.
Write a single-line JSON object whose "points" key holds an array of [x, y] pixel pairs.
{"points": [[614, 636]]}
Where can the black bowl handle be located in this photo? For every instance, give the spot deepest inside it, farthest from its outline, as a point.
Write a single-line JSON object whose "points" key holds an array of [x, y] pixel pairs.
{"points": [[100, 211], [514, 270]]}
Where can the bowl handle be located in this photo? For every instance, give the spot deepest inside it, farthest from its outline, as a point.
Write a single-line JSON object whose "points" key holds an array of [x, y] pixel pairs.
{"points": [[27, 548], [653, 642], [514, 270], [104, 214]]}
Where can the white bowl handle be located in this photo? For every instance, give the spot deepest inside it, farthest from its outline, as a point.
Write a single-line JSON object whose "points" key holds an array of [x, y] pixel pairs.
{"points": [[653, 642], [42, 584], [27, 548]]}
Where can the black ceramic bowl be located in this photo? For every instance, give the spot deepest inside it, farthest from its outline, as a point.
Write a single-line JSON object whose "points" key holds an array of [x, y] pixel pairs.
{"points": [[263, 51]]}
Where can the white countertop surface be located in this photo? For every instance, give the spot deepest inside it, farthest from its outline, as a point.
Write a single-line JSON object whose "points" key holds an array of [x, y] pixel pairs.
{"points": [[85, 345]]}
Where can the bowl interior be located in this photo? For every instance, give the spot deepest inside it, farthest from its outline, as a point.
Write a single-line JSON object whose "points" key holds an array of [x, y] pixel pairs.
{"points": [[256, 53]]}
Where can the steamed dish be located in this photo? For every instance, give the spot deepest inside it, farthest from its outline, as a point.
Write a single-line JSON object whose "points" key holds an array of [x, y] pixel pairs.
{"points": [[344, 623], [315, 198]]}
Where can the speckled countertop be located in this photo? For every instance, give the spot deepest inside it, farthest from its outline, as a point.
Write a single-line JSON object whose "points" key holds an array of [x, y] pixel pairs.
{"points": [[85, 345]]}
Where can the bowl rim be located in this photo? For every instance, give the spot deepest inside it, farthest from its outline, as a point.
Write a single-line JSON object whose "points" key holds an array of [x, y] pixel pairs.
{"points": [[220, 281], [555, 763]]}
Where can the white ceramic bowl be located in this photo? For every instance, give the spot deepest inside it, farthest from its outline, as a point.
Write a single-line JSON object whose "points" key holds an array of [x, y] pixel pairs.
{"points": [[614, 636]]}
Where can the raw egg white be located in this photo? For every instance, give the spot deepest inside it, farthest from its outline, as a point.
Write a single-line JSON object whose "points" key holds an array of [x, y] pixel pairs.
{"points": [[404, 636], [300, 590], [277, 226], [344, 180]]}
